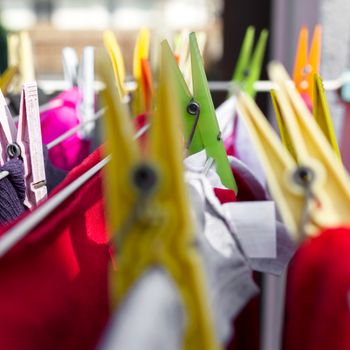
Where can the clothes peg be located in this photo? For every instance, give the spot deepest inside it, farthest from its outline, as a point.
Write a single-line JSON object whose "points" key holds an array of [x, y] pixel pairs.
{"points": [[322, 114], [201, 126], [21, 56], [141, 53], [187, 68], [312, 191], [147, 84], [148, 206], [86, 80], [26, 143], [6, 78], [115, 53], [70, 64], [307, 62], [285, 137], [249, 65]]}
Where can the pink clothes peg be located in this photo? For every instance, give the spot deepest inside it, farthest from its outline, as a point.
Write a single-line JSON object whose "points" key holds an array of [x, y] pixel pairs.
{"points": [[58, 120], [25, 143]]}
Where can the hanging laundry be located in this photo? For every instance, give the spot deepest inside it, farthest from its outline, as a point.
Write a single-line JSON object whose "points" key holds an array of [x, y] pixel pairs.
{"points": [[56, 121], [54, 285], [54, 176], [12, 191], [317, 302]]}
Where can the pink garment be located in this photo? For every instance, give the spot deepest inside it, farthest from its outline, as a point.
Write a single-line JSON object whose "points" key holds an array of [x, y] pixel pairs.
{"points": [[56, 121]]}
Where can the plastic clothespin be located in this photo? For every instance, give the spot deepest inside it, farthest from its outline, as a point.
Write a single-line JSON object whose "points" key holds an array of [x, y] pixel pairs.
{"points": [[147, 84], [322, 114], [21, 56], [141, 54], [187, 69], [86, 80], [307, 63], [148, 206], [26, 142], [249, 64], [312, 191], [201, 126], [70, 63], [6, 78], [115, 53]]}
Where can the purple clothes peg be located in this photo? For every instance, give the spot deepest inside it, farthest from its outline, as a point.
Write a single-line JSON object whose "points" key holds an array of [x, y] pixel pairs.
{"points": [[56, 121]]}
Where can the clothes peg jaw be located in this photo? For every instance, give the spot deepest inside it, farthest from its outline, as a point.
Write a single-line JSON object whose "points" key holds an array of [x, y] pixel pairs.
{"points": [[8, 130], [249, 64], [188, 109], [115, 54], [141, 52], [30, 142], [7, 78], [307, 63], [322, 114]]}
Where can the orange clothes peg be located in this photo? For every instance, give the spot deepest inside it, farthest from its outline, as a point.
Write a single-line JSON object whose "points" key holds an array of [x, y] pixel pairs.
{"points": [[147, 84], [307, 62]]}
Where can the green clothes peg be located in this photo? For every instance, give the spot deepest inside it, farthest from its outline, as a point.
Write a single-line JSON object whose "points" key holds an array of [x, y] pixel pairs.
{"points": [[248, 67], [193, 139], [201, 126]]}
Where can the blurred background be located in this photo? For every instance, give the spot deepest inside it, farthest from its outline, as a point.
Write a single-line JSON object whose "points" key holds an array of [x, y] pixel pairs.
{"points": [[53, 24]]}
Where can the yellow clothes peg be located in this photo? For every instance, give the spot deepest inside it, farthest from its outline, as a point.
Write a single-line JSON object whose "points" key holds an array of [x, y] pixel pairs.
{"points": [[6, 79], [312, 191], [21, 56], [281, 125], [141, 53], [148, 208], [307, 63], [322, 114], [115, 53]]}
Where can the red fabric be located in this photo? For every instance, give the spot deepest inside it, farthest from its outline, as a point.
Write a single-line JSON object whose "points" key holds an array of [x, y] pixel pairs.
{"points": [[318, 294], [230, 142], [53, 289], [247, 328], [245, 193], [224, 195]]}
